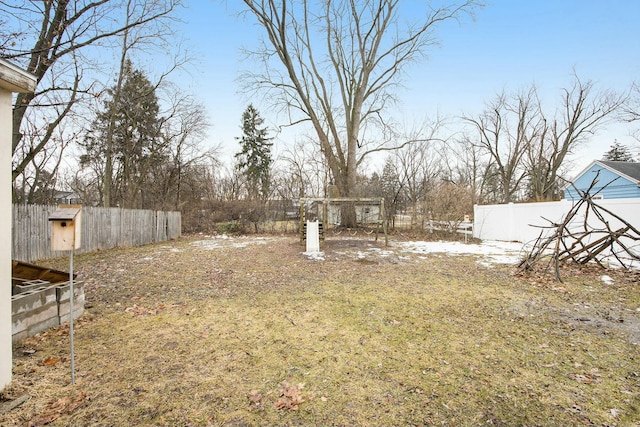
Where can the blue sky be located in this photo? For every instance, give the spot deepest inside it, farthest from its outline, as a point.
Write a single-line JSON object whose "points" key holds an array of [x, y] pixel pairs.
{"points": [[507, 46]]}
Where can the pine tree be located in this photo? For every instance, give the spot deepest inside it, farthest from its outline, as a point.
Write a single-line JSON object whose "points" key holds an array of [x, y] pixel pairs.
{"points": [[391, 189], [618, 153], [254, 157], [133, 114]]}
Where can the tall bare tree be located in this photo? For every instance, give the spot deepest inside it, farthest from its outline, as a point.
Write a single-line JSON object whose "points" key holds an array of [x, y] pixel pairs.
{"points": [[467, 165], [51, 36], [504, 131], [582, 112], [335, 64], [306, 174], [418, 168], [185, 126], [527, 145], [631, 111]]}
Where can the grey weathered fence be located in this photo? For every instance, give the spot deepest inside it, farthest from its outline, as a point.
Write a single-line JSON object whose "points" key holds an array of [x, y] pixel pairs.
{"points": [[102, 228]]}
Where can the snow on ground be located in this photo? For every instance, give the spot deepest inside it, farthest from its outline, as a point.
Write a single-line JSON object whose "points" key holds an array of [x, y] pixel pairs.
{"points": [[315, 256], [607, 280], [488, 252], [491, 252], [221, 241]]}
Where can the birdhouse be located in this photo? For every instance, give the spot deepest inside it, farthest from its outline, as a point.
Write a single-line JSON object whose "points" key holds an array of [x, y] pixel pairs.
{"points": [[66, 227]]}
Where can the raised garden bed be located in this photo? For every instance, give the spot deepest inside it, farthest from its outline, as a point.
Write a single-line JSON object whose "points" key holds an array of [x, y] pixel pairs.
{"points": [[40, 299]]}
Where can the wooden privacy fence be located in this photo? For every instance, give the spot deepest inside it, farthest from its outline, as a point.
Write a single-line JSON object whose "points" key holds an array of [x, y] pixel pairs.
{"points": [[102, 228]]}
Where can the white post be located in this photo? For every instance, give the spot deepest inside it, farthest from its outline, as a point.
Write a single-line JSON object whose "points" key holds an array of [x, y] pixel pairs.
{"points": [[313, 236]]}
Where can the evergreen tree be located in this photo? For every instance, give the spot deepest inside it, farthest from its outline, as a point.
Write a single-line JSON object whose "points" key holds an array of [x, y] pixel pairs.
{"points": [[391, 190], [254, 157], [133, 116], [618, 153]]}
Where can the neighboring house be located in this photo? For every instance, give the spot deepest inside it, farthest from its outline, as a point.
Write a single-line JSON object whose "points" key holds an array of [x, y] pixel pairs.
{"points": [[67, 198], [616, 180]]}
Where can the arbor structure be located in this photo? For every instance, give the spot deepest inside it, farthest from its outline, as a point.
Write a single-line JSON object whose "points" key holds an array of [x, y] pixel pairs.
{"points": [[335, 65], [254, 157]]}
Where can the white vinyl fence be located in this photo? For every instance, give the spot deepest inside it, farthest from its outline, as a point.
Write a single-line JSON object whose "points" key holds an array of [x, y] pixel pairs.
{"points": [[102, 228], [516, 222]]}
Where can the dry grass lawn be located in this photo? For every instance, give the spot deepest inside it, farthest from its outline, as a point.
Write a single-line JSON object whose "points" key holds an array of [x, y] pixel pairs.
{"points": [[249, 331]]}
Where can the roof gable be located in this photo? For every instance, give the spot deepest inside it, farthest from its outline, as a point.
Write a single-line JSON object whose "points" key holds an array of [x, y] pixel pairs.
{"points": [[629, 170]]}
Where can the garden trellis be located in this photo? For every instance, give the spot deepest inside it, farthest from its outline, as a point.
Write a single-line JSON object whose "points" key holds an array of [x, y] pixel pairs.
{"points": [[369, 214]]}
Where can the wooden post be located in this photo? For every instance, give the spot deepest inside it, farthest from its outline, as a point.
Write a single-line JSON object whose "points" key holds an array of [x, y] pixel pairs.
{"points": [[66, 236]]}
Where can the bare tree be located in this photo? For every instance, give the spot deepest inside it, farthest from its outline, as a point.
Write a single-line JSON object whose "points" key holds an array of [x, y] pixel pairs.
{"points": [[631, 111], [581, 114], [466, 164], [527, 146], [308, 174], [185, 127], [51, 37], [505, 142], [419, 168], [335, 66]]}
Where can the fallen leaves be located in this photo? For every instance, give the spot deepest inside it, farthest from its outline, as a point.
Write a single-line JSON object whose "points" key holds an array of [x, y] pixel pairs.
{"points": [[290, 397], [50, 361], [138, 310], [591, 377], [255, 401], [59, 407]]}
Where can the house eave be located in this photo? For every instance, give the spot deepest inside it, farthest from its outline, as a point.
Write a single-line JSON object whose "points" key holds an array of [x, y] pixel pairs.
{"points": [[13, 79]]}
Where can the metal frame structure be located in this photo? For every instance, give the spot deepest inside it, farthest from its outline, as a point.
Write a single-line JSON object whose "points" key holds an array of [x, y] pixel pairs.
{"points": [[325, 202]]}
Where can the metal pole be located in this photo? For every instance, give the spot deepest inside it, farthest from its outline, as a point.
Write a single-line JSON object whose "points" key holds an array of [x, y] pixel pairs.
{"points": [[73, 373]]}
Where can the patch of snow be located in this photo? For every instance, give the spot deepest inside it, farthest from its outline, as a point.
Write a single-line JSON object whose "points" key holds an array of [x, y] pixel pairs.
{"points": [[207, 244], [247, 243], [314, 256], [606, 280], [485, 264], [215, 242], [381, 252], [493, 252]]}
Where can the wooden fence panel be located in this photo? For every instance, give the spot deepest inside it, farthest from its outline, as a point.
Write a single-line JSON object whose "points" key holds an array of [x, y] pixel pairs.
{"points": [[102, 228]]}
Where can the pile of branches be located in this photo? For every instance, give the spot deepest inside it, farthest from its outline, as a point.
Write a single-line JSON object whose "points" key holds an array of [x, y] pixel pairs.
{"points": [[575, 238]]}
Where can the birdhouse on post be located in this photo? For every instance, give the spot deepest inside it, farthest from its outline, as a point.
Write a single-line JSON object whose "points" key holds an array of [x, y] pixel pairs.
{"points": [[66, 228]]}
